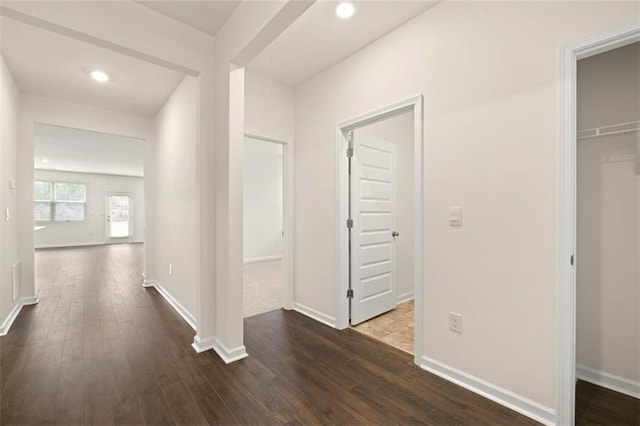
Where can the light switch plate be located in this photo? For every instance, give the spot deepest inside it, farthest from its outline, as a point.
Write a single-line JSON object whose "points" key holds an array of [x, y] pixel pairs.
{"points": [[455, 216], [12, 183]]}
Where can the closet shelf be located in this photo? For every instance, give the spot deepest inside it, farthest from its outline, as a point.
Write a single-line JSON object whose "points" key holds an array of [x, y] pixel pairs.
{"points": [[614, 129]]}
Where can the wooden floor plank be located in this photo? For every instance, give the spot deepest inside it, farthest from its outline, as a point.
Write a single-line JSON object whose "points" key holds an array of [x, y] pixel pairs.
{"points": [[101, 349]]}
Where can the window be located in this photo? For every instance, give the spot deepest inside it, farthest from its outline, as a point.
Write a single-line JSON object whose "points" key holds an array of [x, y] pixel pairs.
{"points": [[59, 201]]}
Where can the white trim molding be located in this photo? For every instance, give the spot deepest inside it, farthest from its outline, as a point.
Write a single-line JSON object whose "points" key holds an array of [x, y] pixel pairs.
{"points": [[8, 322], [316, 315], [609, 381], [413, 104], [70, 245], [404, 297], [569, 54], [184, 313], [511, 400], [227, 355], [263, 259]]}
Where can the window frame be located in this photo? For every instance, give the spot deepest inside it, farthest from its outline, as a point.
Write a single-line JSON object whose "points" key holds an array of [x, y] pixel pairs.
{"points": [[53, 202]]}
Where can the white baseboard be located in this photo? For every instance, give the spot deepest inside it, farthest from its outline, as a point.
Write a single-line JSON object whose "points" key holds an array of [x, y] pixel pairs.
{"points": [[312, 313], [97, 243], [8, 322], [404, 297], [522, 405], [46, 246], [609, 381], [184, 313], [262, 259], [227, 355]]}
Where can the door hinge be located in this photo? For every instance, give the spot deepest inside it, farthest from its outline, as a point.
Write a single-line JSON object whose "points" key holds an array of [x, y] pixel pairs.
{"points": [[349, 223], [350, 293], [350, 145], [572, 259]]}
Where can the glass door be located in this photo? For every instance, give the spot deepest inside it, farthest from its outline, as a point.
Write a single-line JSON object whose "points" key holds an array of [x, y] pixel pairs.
{"points": [[118, 217]]}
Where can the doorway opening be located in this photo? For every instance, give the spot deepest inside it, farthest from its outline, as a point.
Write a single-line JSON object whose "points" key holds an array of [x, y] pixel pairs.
{"points": [[608, 236], [573, 178], [381, 238], [88, 192], [380, 202], [264, 244], [88, 188], [119, 217]]}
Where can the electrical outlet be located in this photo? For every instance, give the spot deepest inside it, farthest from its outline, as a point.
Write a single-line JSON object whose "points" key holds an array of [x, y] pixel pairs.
{"points": [[171, 269], [455, 322]]}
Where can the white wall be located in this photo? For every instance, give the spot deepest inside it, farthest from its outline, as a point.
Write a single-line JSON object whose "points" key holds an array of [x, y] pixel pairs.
{"points": [[93, 229], [9, 105], [262, 200], [269, 108], [36, 109], [488, 71], [176, 194], [608, 280], [399, 130]]}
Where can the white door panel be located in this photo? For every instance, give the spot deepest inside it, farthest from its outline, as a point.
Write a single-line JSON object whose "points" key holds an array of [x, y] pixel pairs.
{"points": [[376, 286], [372, 157], [375, 222], [375, 253], [373, 214], [374, 190]]}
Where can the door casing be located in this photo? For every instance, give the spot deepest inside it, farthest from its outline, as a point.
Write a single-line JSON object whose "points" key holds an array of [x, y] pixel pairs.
{"points": [[413, 104]]}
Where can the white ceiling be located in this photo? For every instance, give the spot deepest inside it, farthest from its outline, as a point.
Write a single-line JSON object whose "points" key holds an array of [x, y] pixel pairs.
{"points": [[207, 16], [52, 65], [89, 152], [319, 39]]}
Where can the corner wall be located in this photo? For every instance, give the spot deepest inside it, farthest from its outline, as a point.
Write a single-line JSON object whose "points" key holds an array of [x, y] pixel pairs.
{"points": [[176, 195], [9, 107], [488, 72]]}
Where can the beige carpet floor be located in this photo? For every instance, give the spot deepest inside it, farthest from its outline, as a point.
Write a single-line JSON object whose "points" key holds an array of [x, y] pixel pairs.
{"points": [[262, 290], [394, 328]]}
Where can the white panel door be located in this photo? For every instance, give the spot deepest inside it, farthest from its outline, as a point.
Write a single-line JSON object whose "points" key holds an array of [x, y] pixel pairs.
{"points": [[373, 213]]}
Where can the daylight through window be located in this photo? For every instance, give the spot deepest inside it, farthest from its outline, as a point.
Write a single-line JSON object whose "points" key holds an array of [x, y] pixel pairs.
{"points": [[59, 201]]}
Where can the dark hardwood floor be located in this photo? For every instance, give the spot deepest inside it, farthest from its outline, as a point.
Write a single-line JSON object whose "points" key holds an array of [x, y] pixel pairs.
{"points": [[596, 405], [101, 349]]}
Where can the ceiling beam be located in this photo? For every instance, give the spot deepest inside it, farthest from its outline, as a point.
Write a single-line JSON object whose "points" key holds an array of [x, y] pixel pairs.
{"points": [[95, 41]]}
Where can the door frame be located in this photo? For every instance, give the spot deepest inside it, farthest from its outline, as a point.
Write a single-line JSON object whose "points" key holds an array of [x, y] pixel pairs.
{"points": [[414, 104], [132, 224], [287, 215], [566, 205]]}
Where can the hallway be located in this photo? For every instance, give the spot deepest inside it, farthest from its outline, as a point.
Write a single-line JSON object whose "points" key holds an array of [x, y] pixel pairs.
{"points": [[101, 349]]}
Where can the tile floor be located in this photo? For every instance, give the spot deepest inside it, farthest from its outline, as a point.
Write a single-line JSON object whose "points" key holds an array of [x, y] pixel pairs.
{"points": [[394, 328], [262, 290]]}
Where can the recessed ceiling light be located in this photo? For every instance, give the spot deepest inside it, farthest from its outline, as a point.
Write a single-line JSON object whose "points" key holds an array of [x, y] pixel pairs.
{"points": [[345, 10], [100, 76], [44, 160]]}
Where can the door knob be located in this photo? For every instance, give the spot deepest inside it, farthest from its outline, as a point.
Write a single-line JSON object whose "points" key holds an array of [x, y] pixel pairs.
{"points": [[395, 234]]}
